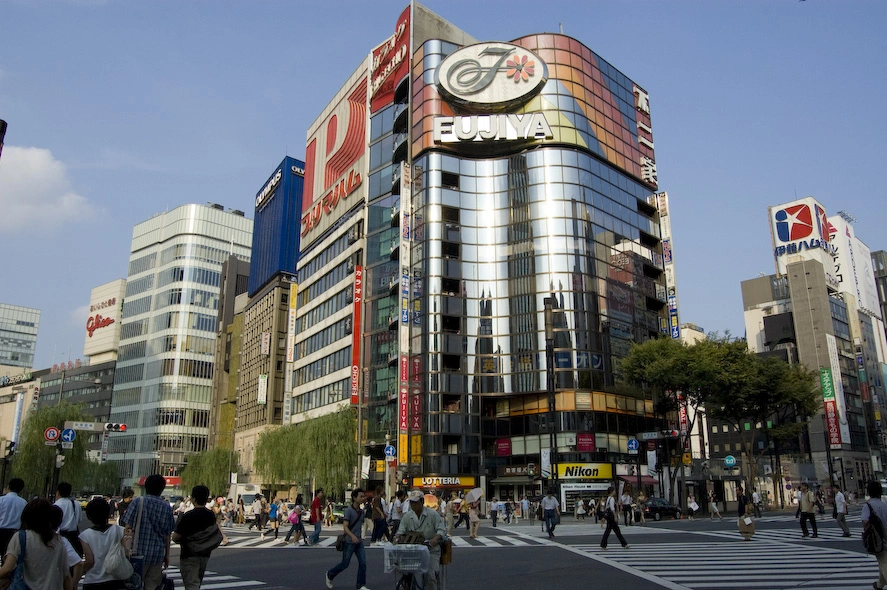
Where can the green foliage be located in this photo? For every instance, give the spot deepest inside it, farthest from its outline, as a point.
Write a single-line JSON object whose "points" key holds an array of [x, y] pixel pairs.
{"points": [[323, 450], [211, 469], [100, 478], [34, 461]]}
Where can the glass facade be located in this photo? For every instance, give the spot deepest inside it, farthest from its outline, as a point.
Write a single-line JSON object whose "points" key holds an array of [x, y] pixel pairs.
{"points": [[18, 335], [163, 382]]}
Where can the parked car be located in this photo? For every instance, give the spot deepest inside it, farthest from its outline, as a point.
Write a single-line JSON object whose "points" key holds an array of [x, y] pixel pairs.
{"points": [[659, 507]]}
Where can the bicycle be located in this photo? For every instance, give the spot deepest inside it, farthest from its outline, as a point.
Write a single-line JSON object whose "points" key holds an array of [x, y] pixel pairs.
{"points": [[410, 563]]}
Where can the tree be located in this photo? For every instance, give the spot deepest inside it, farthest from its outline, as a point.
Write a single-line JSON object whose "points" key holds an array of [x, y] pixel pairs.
{"points": [[322, 451], [35, 461], [210, 468], [100, 478]]}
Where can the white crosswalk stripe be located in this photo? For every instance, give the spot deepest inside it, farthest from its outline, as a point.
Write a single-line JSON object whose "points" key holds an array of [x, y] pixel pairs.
{"points": [[825, 534], [216, 581], [739, 565], [253, 541]]}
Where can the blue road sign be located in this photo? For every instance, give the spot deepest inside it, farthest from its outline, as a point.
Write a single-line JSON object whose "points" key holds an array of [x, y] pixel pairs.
{"points": [[390, 451], [68, 435], [729, 461], [633, 444]]}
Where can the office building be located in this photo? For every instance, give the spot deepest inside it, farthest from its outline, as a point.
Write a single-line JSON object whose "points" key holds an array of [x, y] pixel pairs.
{"points": [[18, 335]]}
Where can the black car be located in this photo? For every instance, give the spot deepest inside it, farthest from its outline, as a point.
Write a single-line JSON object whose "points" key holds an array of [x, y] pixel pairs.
{"points": [[659, 507]]}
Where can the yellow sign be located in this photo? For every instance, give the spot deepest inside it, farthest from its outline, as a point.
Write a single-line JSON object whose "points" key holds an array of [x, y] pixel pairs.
{"points": [[585, 471], [445, 481], [688, 460], [403, 448], [379, 467]]}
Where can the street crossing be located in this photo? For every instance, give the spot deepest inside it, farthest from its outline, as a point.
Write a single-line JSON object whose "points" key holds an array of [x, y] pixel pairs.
{"points": [[216, 581], [740, 565]]}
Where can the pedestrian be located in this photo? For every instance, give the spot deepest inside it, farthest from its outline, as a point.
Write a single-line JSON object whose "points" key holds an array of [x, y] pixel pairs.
{"points": [[449, 518], [601, 508], [46, 565], [97, 542], [295, 519], [230, 513], [11, 506], [153, 518], [352, 524], [877, 506], [525, 508], [316, 517], [550, 512], [820, 500], [419, 519], [494, 511], [241, 510], [473, 519], [395, 513], [625, 503], [124, 503], [642, 508], [807, 506], [840, 512], [195, 526], [257, 509], [692, 506], [741, 502], [713, 502], [273, 524], [612, 519], [756, 502], [463, 514], [71, 511], [580, 510], [509, 510], [380, 519], [746, 523]]}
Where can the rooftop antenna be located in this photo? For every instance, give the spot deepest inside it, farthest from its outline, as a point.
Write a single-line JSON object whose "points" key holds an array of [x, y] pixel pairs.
{"points": [[562, 28]]}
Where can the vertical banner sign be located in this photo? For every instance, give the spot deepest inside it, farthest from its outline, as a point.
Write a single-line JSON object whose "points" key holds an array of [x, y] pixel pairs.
{"points": [[266, 343], [838, 383], [356, 335], [263, 390], [403, 325], [660, 201], [830, 408], [545, 463], [390, 63], [291, 325]]}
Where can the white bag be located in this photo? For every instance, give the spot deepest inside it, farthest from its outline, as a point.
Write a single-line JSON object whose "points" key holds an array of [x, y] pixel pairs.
{"points": [[116, 563]]}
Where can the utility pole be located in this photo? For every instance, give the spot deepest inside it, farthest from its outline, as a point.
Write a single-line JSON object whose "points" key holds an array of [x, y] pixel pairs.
{"points": [[552, 414]]}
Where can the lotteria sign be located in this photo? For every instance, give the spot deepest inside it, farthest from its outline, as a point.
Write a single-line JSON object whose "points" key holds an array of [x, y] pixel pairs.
{"points": [[491, 80], [449, 481]]}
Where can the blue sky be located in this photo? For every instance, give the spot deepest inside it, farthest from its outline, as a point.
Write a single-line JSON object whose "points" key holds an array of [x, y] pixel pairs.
{"points": [[120, 110]]}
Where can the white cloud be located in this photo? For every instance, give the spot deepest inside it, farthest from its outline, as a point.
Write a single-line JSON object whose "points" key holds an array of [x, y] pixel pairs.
{"points": [[34, 189]]}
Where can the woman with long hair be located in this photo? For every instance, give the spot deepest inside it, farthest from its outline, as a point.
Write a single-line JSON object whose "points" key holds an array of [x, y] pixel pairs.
{"points": [[97, 541], [295, 519], [45, 560]]}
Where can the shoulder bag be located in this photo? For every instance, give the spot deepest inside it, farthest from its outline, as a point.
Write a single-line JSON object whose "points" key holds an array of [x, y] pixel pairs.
{"points": [[136, 559], [205, 540], [116, 564], [18, 574], [340, 540]]}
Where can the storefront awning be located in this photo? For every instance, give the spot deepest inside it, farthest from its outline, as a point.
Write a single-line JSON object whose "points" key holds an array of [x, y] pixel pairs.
{"points": [[646, 480], [510, 479]]}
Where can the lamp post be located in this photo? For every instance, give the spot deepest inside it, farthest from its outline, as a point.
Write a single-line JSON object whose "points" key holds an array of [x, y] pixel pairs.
{"points": [[549, 371]]}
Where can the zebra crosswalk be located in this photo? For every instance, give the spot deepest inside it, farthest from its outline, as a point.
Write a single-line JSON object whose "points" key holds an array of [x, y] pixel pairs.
{"points": [[216, 581], [740, 565]]}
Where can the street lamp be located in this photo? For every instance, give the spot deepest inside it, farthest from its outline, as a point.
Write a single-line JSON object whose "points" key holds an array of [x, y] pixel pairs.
{"points": [[549, 364]]}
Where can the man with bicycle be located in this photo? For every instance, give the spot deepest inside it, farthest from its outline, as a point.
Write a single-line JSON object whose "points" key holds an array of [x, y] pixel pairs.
{"points": [[419, 519]]}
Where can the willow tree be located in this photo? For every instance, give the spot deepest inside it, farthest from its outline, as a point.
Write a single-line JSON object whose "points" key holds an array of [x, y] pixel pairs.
{"points": [[322, 450], [34, 461], [211, 469]]}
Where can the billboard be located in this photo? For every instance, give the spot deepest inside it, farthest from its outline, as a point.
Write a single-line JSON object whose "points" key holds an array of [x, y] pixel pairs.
{"points": [[390, 63], [102, 322], [853, 266], [800, 231]]}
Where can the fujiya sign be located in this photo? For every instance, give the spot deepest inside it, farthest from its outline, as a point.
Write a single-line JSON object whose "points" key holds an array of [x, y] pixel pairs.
{"points": [[491, 76], [491, 127]]}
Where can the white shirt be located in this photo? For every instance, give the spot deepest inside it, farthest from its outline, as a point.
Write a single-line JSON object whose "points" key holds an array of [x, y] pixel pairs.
{"points": [[397, 512], [550, 503], [11, 506], [70, 514], [841, 503], [756, 497]]}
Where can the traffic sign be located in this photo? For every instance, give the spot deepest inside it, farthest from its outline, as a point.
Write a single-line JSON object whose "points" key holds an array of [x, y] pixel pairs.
{"points": [[390, 451], [51, 434], [75, 425], [633, 446], [67, 445], [68, 435], [729, 461], [649, 435]]}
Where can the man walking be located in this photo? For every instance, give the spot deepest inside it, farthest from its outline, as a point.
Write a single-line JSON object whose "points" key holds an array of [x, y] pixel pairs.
{"points": [[841, 509], [612, 519], [380, 520], [550, 510], [877, 506], [625, 501], [807, 507], [756, 501], [11, 506], [71, 511], [317, 517], [494, 511], [155, 530], [195, 523], [352, 523]]}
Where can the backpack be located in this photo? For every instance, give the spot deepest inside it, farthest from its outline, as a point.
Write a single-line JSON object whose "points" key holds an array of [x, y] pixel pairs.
{"points": [[873, 535], [295, 515]]}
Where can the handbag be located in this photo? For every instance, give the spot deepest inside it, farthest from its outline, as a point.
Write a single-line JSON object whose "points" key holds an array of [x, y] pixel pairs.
{"points": [[205, 540], [18, 574], [135, 559], [340, 542], [116, 564]]}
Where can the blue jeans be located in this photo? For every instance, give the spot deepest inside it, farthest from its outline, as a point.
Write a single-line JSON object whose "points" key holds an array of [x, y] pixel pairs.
{"points": [[550, 521], [315, 536], [360, 552]]}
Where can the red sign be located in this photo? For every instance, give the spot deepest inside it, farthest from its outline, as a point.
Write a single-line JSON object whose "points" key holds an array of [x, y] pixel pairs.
{"points": [[51, 434], [404, 409], [503, 447], [831, 422], [330, 200], [585, 442], [391, 62], [97, 321], [355, 336], [416, 411]]}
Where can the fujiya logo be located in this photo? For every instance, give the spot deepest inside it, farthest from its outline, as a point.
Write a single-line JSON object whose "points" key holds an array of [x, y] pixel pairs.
{"points": [[491, 76]]}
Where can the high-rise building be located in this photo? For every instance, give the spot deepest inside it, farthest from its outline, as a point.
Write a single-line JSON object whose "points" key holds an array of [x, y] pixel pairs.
{"points": [[821, 309], [465, 203], [18, 335], [163, 383]]}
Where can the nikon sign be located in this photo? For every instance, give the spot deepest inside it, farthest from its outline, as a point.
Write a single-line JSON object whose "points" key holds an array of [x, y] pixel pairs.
{"points": [[585, 471]]}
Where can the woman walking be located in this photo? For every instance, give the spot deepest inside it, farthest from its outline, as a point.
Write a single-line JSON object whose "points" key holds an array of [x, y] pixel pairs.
{"points": [[295, 518], [97, 542], [612, 520], [714, 507], [273, 510], [580, 509], [45, 557], [473, 520]]}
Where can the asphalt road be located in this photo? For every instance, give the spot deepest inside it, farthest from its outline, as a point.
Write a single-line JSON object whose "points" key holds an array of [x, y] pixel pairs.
{"points": [[674, 554]]}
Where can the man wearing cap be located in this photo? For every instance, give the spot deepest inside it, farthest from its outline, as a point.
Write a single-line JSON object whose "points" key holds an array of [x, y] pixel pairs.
{"points": [[419, 519]]}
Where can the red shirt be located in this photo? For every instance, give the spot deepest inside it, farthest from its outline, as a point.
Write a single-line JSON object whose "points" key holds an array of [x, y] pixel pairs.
{"points": [[316, 510]]}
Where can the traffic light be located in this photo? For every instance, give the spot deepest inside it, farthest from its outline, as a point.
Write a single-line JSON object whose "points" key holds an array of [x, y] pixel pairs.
{"points": [[59, 461], [115, 427], [10, 448]]}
